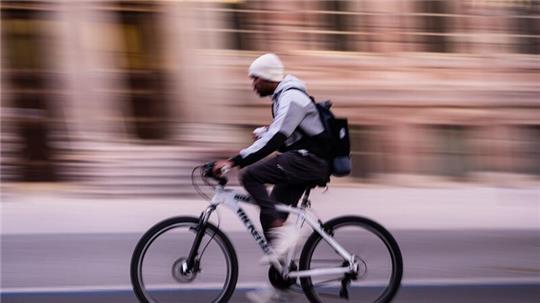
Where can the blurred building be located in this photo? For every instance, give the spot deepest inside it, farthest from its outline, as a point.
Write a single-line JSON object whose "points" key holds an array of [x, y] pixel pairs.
{"points": [[433, 89]]}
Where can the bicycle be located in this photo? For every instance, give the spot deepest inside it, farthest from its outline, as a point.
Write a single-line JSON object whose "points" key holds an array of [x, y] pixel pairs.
{"points": [[195, 250]]}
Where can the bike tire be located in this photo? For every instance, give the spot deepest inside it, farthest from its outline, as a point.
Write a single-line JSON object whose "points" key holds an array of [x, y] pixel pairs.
{"points": [[214, 235], [389, 288]]}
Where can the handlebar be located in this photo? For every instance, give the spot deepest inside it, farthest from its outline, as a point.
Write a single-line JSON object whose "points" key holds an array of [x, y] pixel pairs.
{"points": [[208, 171]]}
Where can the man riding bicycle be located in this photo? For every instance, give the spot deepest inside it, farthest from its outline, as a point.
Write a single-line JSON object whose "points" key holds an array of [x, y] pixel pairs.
{"points": [[331, 263], [296, 132]]}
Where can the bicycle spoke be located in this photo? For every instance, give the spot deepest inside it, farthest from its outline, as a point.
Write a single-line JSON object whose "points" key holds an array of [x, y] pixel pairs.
{"points": [[330, 296], [339, 261], [327, 281], [375, 250], [159, 272], [296, 288]]}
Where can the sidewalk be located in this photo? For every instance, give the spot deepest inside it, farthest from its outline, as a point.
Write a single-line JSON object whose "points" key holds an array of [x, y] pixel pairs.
{"points": [[396, 208]]}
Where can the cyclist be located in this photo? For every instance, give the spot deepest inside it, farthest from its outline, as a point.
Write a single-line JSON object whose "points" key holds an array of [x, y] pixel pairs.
{"points": [[296, 132]]}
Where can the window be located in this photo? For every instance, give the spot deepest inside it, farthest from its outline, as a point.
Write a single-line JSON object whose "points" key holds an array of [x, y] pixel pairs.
{"points": [[28, 70], [24, 36], [435, 25], [528, 150], [338, 24], [248, 25], [239, 25], [527, 26], [133, 42]]}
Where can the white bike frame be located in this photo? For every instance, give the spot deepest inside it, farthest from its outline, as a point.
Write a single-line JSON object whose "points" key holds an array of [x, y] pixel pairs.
{"points": [[232, 199]]}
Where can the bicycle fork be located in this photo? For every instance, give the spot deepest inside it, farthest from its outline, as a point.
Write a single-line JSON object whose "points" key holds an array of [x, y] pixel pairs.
{"points": [[192, 259]]}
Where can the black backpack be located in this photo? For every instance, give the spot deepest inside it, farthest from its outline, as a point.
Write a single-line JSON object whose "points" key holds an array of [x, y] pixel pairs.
{"points": [[337, 130], [336, 138]]}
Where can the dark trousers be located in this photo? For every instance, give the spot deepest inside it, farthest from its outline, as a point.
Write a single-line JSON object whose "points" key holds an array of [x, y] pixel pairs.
{"points": [[291, 173]]}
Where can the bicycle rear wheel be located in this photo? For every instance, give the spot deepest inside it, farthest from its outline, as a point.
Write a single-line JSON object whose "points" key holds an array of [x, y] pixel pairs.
{"points": [[378, 255], [158, 265]]}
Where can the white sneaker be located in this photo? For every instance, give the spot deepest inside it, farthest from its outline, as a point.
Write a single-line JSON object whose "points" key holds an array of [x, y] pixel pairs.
{"points": [[268, 295], [285, 238], [268, 259]]}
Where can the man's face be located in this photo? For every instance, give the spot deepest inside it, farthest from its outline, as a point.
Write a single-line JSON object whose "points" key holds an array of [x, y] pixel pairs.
{"points": [[262, 87]]}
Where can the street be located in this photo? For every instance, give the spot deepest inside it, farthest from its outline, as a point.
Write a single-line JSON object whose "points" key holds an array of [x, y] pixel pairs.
{"points": [[426, 294], [469, 245], [440, 266]]}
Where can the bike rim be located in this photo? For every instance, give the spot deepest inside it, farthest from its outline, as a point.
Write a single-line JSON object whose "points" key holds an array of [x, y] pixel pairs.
{"points": [[321, 290], [208, 238]]}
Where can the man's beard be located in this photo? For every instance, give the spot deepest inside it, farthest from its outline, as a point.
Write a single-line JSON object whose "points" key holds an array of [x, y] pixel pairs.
{"points": [[263, 94]]}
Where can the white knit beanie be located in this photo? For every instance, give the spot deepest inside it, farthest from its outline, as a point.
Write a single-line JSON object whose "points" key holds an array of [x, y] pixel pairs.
{"points": [[267, 66]]}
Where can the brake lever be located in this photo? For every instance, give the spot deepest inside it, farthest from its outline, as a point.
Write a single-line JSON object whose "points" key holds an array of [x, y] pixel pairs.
{"points": [[222, 180], [208, 169], [209, 172]]}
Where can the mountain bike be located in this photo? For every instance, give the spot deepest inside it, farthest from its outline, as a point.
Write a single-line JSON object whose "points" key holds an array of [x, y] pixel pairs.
{"points": [[189, 259]]}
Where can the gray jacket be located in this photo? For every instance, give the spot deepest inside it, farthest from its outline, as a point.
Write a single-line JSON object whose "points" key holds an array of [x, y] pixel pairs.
{"points": [[296, 120]]}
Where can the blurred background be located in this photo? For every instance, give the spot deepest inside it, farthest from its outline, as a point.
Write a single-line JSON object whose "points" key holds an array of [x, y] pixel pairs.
{"points": [[106, 107], [117, 97]]}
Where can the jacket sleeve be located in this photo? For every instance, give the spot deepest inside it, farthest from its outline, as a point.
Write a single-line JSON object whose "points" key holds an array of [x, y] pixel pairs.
{"points": [[288, 116]]}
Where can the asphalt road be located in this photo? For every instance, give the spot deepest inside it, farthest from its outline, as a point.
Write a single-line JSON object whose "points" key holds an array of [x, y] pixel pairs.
{"points": [[526, 293], [440, 266]]}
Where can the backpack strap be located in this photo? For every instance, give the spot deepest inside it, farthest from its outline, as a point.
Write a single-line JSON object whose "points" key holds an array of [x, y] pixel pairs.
{"points": [[299, 89], [288, 89], [305, 93]]}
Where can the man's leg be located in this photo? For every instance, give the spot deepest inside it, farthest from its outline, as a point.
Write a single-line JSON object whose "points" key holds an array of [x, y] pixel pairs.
{"points": [[254, 178], [290, 172], [287, 194]]}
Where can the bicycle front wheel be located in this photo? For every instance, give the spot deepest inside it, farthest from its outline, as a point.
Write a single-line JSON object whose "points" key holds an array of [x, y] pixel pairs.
{"points": [[158, 265], [380, 265]]}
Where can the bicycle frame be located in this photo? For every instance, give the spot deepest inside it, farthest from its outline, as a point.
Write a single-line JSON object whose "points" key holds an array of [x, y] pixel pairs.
{"points": [[232, 199]]}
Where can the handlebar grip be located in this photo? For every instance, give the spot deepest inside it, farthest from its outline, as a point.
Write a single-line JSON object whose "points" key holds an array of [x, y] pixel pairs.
{"points": [[225, 170], [208, 171]]}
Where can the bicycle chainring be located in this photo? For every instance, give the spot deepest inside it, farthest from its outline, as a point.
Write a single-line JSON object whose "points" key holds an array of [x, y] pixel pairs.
{"points": [[277, 280]]}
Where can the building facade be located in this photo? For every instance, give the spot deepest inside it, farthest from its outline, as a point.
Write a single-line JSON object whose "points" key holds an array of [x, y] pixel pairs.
{"points": [[433, 89]]}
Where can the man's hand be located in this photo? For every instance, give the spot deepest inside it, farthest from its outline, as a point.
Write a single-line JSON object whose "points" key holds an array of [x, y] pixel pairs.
{"points": [[222, 165]]}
